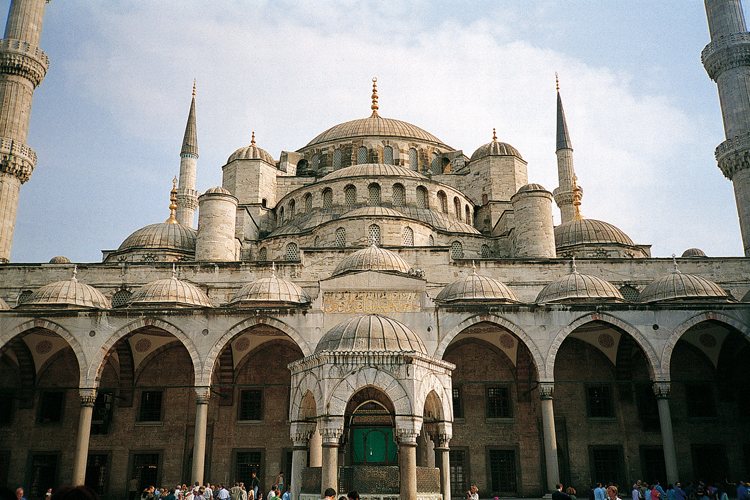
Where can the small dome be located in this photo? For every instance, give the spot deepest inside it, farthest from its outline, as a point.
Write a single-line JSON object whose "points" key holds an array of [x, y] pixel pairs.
{"points": [[476, 288], [693, 252], [59, 260], [217, 189], [252, 152], [4, 305], [372, 258], [163, 235], [70, 293], [169, 292], [373, 170], [531, 187], [374, 126], [586, 231], [374, 212], [679, 285], [495, 148], [271, 289], [371, 333], [579, 287]]}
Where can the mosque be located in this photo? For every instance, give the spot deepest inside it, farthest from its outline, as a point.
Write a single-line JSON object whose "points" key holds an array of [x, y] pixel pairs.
{"points": [[378, 311]]}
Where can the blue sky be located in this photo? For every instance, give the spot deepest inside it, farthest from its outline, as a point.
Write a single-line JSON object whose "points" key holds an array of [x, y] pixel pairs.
{"points": [[107, 122]]}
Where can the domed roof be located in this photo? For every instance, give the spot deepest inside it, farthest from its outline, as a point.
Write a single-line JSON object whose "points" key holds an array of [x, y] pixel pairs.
{"points": [[374, 125], [531, 187], [373, 170], [59, 260], [476, 288], [371, 333], [578, 287], [170, 291], [271, 289], [495, 148], [163, 235], [252, 152], [70, 293], [372, 258], [4, 305], [217, 189], [693, 252], [373, 212], [584, 231], [677, 285]]}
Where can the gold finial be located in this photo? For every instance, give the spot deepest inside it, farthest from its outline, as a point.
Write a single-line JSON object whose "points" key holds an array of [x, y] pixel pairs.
{"points": [[494, 135], [374, 106], [75, 273], [173, 204], [252, 142], [557, 82], [577, 199], [194, 87]]}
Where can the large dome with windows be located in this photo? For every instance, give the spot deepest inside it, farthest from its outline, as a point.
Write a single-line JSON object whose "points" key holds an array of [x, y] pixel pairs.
{"points": [[373, 170], [377, 126]]}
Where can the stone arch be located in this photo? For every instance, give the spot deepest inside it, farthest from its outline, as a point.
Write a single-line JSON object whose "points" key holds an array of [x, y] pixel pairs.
{"points": [[150, 357], [245, 359], [368, 377], [500, 321], [97, 364], [59, 330], [308, 385], [635, 333], [666, 355], [431, 385], [216, 349]]}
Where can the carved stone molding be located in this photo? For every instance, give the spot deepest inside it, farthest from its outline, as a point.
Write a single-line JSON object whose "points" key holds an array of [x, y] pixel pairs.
{"points": [[88, 397], [406, 435], [546, 390], [733, 155], [203, 394], [20, 58], [726, 52], [661, 389]]}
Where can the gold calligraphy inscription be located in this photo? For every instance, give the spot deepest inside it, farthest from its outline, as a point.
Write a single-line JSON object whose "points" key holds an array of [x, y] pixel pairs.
{"points": [[371, 302]]}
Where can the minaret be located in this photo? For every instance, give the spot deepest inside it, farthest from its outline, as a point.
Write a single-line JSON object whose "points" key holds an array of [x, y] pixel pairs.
{"points": [[565, 174], [727, 62], [22, 68], [187, 196]]}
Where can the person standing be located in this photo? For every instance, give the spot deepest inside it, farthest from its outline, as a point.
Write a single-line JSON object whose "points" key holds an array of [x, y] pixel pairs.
{"points": [[558, 493], [599, 492], [329, 494], [278, 483], [255, 484], [235, 492]]}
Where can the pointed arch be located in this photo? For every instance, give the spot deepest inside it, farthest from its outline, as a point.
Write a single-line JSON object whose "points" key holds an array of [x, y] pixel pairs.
{"points": [[368, 377], [502, 322], [308, 385], [431, 385], [635, 333], [666, 355]]}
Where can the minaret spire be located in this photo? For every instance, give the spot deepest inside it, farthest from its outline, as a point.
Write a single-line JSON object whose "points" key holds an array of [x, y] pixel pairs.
{"points": [[564, 194], [187, 196], [726, 63]]}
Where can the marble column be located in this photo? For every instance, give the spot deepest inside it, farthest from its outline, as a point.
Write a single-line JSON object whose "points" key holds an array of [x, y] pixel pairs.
{"points": [[407, 458], [88, 398], [331, 429], [661, 389], [316, 449], [550, 440], [199, 441], [300, 433], [442, 462]]}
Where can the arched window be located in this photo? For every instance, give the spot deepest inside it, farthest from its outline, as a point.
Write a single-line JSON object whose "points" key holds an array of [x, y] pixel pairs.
{"points": [[629, 293], [373, 235], [485, 251], [430, 241], [327, 198], [337, 159], [263, 254], [281, 215], [457, 250], [308, 203], [361, 155], [422, 197], [435, 164], [468, 215], [443, 202], [373, 190], [350, 197], [413, 159], [120, 298], [291, 252], [292, 204], [457, 207], [408, 237], [315, 162], [388, 155], [398, 195], [341, 237]]}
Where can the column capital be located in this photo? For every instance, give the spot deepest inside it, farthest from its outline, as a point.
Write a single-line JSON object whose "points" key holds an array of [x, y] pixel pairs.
{"points": [[300, 432], [331, 429], [546, 390], [203, 394], [408, 428], [662, 389], [441, 434], [88, 396]]}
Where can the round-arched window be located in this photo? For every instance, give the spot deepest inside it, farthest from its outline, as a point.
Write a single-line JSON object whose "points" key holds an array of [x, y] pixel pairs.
{"points": [[457, 250], [373, 190], [263, 254], [327, 198], [398, 195], [337, 159], [413, 159], [422, 197], [373, 235], [388, 155], [361, 155], [292, 253], [350, 197], [408, 237], [341, 237], [308, 203]]}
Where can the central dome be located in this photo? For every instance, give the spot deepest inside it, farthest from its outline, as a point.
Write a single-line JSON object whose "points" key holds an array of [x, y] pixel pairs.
{"points": [[371, 333], [375, 126]]}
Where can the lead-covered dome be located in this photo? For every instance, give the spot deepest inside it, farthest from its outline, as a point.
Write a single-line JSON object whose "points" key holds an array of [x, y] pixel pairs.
{"points": [[579, 287], [169, 292], [372, 258], [59, 260], [374, 125], [371, 333], [495, 148], [252, 152], [373, 170], [476, 288], [68, 293], [271, 289], [693, 252], [161, 236], [682, 286], [587, 231]]}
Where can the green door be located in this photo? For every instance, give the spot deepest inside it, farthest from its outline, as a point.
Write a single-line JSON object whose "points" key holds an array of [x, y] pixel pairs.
{"points": [[373, 446]]}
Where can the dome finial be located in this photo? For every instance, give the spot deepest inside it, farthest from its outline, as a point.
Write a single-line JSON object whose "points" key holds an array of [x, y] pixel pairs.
{"points": [[575, 269], [494, 135], [374, 106], [273, 269], [174, 271], [252, 141], [75, 273], [193, 87], [674, 261], [557, 82], [173, 204], [577, 199], [474, 271]]}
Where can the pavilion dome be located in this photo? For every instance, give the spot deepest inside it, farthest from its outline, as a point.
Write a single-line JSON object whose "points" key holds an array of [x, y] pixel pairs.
{"points": [[579, 287], [371, 333], [693, 252], [476, 288], [372, 258], [169, 292], [588, 231], [682, 286], [271, 289], [161, 236], [67, 293], [59, 260], [252, 152], [495, 148]]}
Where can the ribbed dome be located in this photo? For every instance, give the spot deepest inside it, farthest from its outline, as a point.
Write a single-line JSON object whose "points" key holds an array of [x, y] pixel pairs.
{"points": [[531, 187], [371, 333], [693, 252], [583, 231], [163, 235], [4, 305], [374, 125], [476, 288], [374, 212], [170, 291], [372, 258], [59, 260], [271, 289], [252, 152], [70, 293], [373, 170], [495, 148], [217, 189], [579, 287], [679, 285]]}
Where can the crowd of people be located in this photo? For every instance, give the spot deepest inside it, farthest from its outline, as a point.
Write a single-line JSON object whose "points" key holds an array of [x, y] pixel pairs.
{"points": [[644, 491], [219, 491]]}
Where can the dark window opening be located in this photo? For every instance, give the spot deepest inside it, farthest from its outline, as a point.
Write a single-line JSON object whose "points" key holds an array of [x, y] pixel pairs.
{"points": [[97, 470], [606, 465], [6, 408], [50, 407], [146, 469], [102, 415], [150, 406], [247, 462], [503, 471], [498, 402], [599, 401], [43, 475], [700, 400], [458, 411], [251, 404], [459, 473]]}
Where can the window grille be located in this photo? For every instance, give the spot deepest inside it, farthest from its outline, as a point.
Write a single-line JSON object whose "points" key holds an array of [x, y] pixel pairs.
{"points": [[430, 241], [606, 465], [327, 199], [247, 463], [435, 164], [292, 206], [308, 203], [457, 250], [413, 159], [120, 298], [263, 254], [422, 197], [97, 470], [398, 195], [388, 155], [291, 252], [43, 474], [600, 401], [485, 251], [24, 296], [251, 404], [146, 469], [443, 200], [374, 192], [341, 237], [150, 406], [458, 470], [629, 293], [458, 410], [408, 237], [498, 402], [457, 208], [315, 162], [337, 159], [468, 215], [503, 471], [51, 407], [373, 233], [361, 155], [350, 197]]}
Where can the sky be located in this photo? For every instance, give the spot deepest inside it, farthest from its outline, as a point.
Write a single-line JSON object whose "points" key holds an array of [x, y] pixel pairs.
{"points": [[108, 120]]}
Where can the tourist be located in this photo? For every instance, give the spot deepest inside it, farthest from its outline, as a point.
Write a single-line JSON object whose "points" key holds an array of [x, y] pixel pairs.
{"points": [[571, 492], [288, 493], [278, 483], [353, 495], [255, 484], [329, 494], [558, 493]]}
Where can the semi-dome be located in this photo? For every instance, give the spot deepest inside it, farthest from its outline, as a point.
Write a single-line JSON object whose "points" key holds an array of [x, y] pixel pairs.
{"points": [[68, 293], [373, 170], [495, 148], [372, 258], [579, 287], [59, 260], [587, 231], [693, 252], [161, 236], [374, 126], [374, 212], [169, 292], [4, 305], [682, 286], [271, 289], [252, 152], [476, 288], [371, 333]]}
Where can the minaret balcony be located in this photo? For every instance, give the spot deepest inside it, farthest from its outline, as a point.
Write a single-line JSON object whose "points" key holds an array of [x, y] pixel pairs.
{"points": [[16, 159], [726, 52], [733, 155], [21, 58]]}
